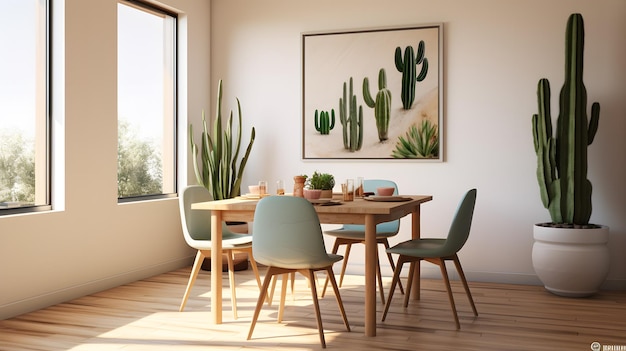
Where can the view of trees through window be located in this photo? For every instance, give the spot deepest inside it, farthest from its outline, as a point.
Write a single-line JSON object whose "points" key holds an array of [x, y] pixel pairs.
{"points": [[146, 101], [23, 104]]}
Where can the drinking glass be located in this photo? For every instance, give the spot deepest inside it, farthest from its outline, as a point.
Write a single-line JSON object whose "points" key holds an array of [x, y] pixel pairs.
{"points": [[347, 189], [262, 187], [280, 187], [358, 187]]}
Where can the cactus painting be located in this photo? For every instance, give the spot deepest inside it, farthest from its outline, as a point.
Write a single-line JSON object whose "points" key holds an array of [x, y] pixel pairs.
{"points": [[352, 126], [373, 114], [408, 68], [562, 158], [323, 123], [382, 105]]}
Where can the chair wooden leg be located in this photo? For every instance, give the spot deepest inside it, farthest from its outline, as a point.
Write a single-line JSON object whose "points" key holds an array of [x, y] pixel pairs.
{"points": [[293, 285], [261, 300], [380, 279], [329, 273], [255, 268], [385, 243], [409, 282], [271, 292], [394, 281], [231, 280], [197, 264], [444, 273], [346, 254], [336, 245], [311, 276], [457, 263], [283, 294]]}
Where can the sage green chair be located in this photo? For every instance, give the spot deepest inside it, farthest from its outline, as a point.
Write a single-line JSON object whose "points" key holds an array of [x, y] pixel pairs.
{"points": [[437, 251], [197, 233], [287, 238], [350, 234]]}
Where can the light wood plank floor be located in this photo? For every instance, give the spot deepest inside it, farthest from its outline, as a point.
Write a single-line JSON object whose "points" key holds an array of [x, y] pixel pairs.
{"points": [[144, 316]]}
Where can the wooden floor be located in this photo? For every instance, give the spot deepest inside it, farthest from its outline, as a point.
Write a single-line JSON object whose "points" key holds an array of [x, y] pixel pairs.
{"points": [[144, 316]]}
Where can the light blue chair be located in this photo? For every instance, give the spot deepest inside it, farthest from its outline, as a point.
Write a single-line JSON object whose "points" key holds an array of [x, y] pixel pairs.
{"points": [[350, 234], [287, 238], [437, 251], [197, 233]]}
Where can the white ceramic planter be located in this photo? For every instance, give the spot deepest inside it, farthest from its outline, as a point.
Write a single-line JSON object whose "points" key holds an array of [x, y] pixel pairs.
{"points": [[571, 262]]}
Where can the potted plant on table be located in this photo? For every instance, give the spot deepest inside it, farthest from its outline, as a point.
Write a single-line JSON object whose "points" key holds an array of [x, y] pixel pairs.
{"points": [[570, 255], [321, 181], [218, 170]]}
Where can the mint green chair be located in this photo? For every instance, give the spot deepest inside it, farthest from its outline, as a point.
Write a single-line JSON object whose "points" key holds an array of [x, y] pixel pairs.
{"points": [[197, 233], [350, 234], [287, 238], [437, 251]]}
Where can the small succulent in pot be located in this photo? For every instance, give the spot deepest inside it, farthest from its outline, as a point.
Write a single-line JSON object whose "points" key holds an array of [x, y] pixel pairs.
{"points": [[322, 181]]}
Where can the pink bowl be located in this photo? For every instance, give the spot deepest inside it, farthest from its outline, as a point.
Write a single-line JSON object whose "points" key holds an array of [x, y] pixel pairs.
{"points": [[253, 189], [385, 191], [312, 194]]}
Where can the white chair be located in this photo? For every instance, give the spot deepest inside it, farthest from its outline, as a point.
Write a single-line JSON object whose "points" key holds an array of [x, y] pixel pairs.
{"points": [[197, 232], [350, 234], [287, 238]]}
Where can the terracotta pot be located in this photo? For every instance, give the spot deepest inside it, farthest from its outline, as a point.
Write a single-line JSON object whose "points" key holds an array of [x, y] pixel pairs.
{"points": [[327, 194], [312, 194]]}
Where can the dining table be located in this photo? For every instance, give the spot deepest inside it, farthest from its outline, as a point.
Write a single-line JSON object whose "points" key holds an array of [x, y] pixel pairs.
{"points": [[368, 212]]}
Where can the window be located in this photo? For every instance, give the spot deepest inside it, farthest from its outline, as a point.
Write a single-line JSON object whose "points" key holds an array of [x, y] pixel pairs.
{"points": [[24, 132], [146, 101]]}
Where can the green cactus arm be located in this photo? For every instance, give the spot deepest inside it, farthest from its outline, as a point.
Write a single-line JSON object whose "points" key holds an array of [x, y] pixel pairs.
{"points": [[382, 79], [343, 118], [359, 142], [421, 49], [332, 119], [593, 123], [423, 72], [398, 60], [420, 59], [367, 97], [317, 126]]}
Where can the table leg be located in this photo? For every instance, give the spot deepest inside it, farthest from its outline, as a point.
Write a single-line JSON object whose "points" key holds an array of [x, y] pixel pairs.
{"points": [[415, 234], [216, 266], [370, 276]]}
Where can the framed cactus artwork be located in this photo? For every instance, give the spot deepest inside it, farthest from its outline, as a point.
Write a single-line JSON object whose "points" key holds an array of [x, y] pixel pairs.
{"points": [[373, 94]]}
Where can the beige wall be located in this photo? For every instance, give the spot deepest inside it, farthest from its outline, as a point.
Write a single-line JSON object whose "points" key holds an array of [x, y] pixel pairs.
{"points": [[90, 242], [495, 52]]}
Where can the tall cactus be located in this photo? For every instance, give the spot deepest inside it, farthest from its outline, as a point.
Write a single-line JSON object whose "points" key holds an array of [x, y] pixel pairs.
{"points": [[408, 67], [562, 159], [323, 122], [352, 127], [382, 105]]}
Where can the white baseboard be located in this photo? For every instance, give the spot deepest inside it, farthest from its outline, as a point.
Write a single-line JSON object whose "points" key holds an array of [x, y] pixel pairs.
{"points": [[52, 298], [433, 272]]}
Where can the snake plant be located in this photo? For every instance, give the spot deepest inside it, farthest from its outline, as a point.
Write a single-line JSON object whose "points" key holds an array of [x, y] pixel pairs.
{"points": [[218, 170]]}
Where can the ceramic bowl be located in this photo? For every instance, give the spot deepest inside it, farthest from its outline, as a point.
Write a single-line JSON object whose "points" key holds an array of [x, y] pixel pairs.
{"points": [[253, 189], [312, 194], [385, 191]]}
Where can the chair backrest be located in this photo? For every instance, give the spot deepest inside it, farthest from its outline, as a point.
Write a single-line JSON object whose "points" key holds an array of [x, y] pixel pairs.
{"points": [[461, 223], [286, 233], [196, 223], [370, 185]]}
